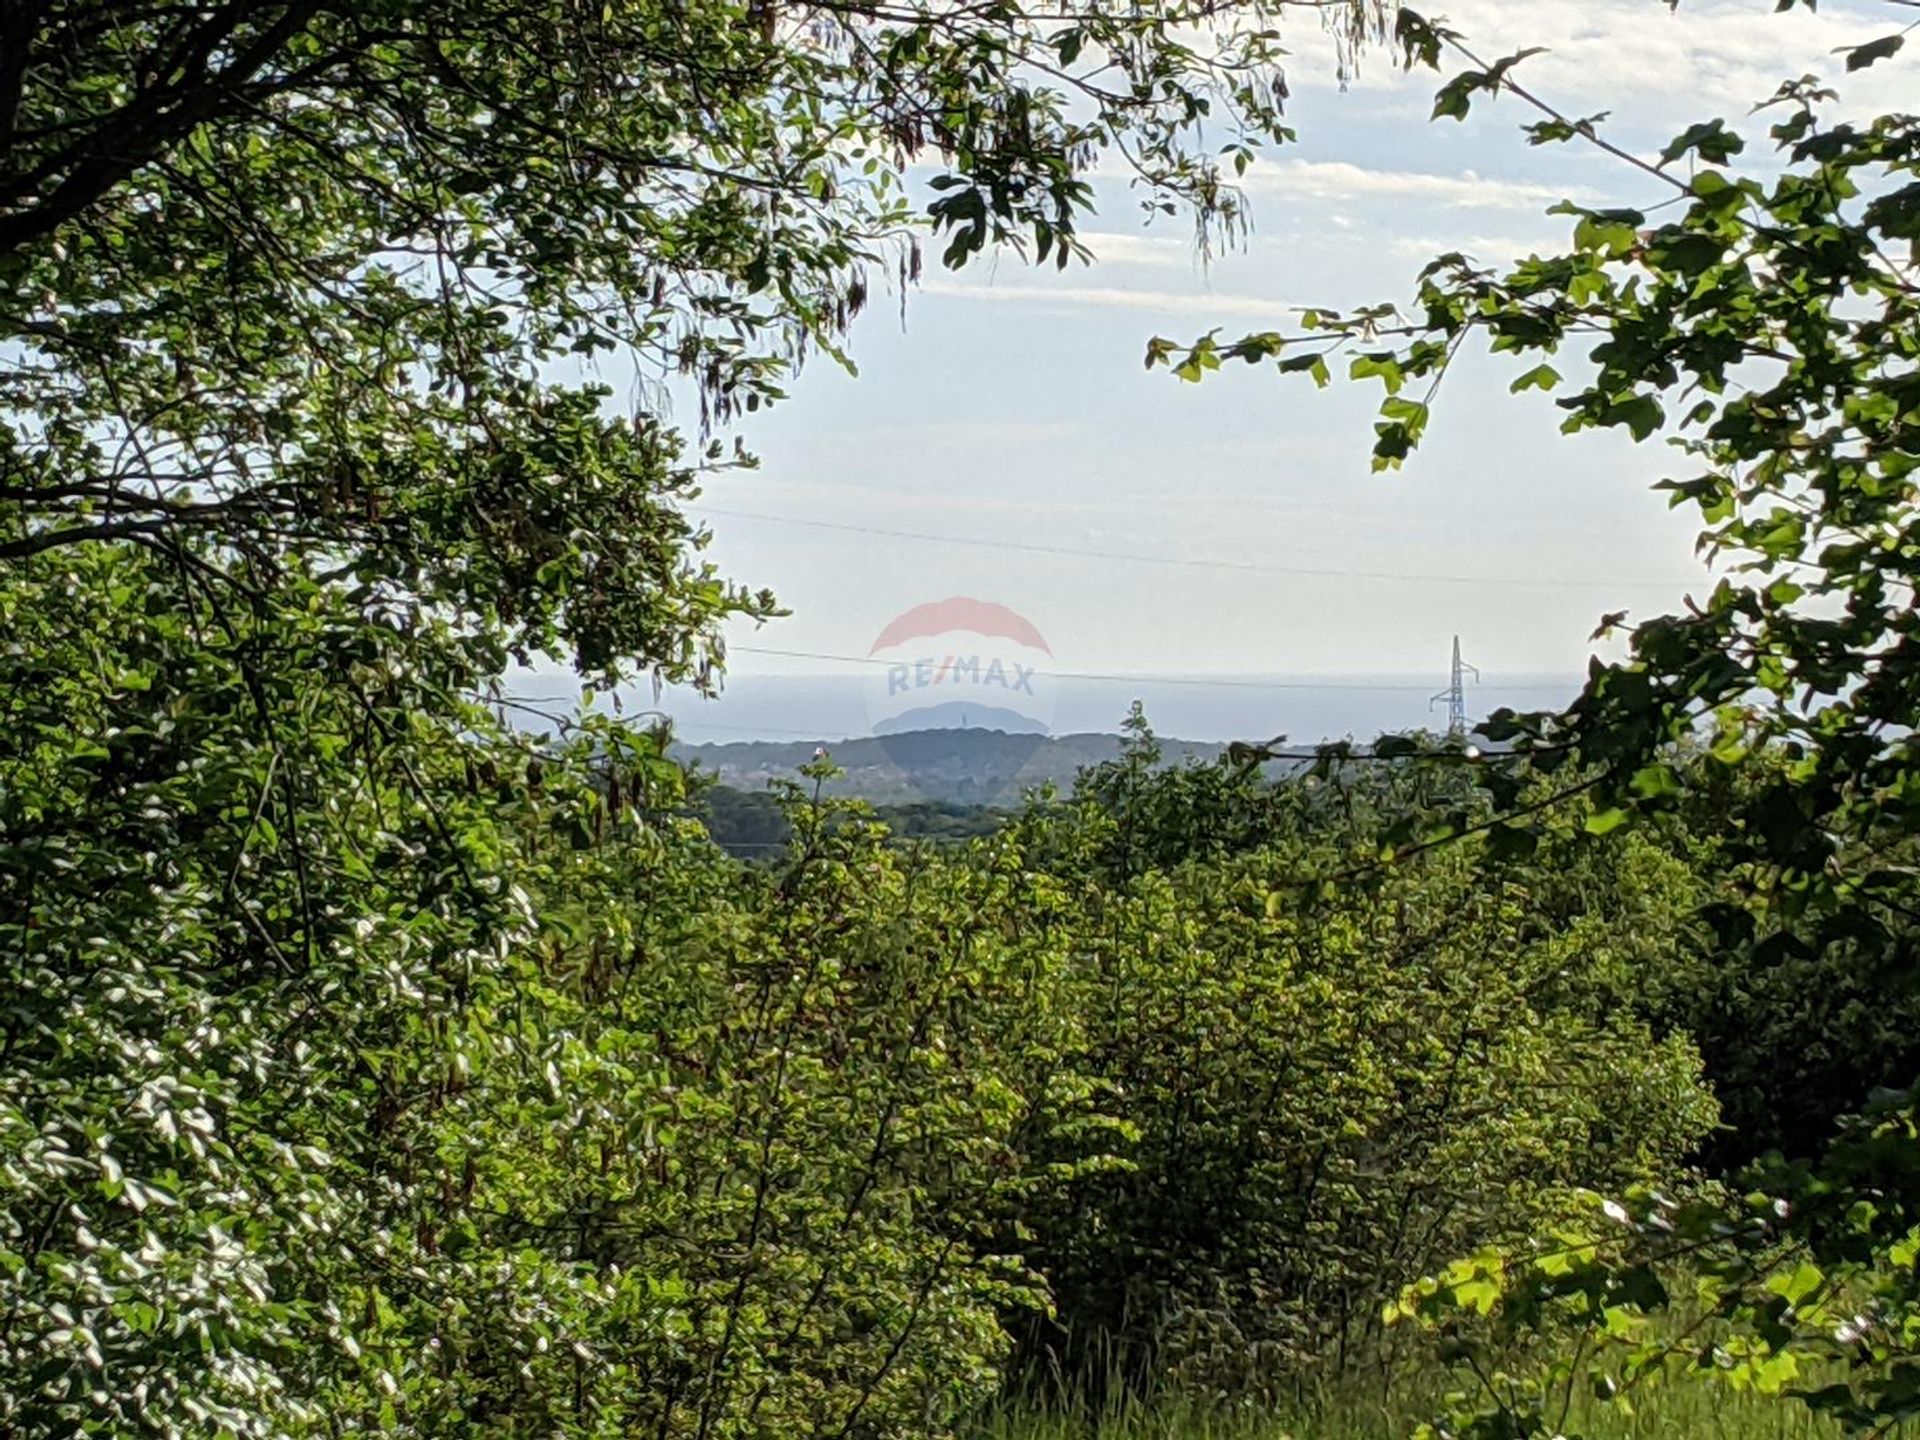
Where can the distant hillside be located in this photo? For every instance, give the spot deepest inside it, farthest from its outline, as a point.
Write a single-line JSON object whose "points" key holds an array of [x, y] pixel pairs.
{"points": [[960, 767], [751, 824]]}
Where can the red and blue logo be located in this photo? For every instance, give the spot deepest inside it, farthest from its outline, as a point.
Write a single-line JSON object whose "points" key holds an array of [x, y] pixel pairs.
{"points": [[960, 664]]}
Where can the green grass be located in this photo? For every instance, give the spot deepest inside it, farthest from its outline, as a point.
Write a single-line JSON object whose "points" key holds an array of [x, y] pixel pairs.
{"points": [[1683, 1411]]}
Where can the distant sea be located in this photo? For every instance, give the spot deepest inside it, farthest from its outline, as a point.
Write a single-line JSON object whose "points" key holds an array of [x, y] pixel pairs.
{"points": [[1304, 708]]}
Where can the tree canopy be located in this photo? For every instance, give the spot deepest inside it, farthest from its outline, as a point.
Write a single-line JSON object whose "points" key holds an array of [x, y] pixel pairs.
{"points": [[328, 284], [315, 1113]]}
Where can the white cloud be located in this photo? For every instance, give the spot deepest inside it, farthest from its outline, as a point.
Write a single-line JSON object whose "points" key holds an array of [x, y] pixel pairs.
{"points": [[1114, 297], [1647, 62], [1704, 54], [1152, 252], [1341, 180], [1488, 249]]}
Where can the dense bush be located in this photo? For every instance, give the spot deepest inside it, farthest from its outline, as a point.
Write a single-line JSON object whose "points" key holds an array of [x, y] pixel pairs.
{"points": [[461, 1086], [1799, 1012], [1332, 1092], [218, 1061], [387, 1074], [753, 824], [803, 1088]]}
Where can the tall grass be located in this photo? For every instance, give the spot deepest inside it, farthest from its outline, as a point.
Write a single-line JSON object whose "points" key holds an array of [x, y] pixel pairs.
{"points": [[1681, 1410]]}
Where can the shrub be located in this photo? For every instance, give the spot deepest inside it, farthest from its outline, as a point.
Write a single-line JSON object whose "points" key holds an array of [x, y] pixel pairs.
{"points": [[461, 1086], [1333, 1094]]}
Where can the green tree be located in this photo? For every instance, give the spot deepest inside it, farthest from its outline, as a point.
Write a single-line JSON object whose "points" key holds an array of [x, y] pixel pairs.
{"points": [[312, 316], [1765, 322], [302, 281]]}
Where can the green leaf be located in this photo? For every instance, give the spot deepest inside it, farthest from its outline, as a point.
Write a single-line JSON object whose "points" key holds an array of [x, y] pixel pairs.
{"points": [[1710, 140], [1859, 57], [1454, 99], [1798, 1284], [1641, 414], [1605, 822], [1509, 842]]}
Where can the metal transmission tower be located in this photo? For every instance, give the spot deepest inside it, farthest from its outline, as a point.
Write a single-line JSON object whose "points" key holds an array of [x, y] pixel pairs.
{"points": [[1456, 693]]}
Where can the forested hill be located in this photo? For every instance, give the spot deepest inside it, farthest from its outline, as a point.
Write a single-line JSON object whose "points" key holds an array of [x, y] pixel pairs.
{"points": [[966, 767]]}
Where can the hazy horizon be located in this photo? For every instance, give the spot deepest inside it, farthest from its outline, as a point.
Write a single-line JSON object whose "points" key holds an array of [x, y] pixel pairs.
{"points": [[827, 706]]}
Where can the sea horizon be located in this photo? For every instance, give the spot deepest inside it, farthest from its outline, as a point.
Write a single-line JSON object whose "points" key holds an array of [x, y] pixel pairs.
{"points": [[1305, 708]]}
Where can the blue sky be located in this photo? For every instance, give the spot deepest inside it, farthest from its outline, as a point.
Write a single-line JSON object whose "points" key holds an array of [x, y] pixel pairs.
{"points": [[1013, 408]]}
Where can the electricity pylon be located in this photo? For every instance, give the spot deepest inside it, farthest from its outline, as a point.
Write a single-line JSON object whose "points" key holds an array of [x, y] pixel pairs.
{"points": [[1456, 694]]}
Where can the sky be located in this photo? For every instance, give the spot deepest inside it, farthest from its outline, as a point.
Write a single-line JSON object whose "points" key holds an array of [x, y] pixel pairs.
{"points": [[1011, 414]]}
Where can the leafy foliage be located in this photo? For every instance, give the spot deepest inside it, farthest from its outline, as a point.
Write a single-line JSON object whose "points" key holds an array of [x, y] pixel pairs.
{"points": [[369, 1065], [1778, 308], [1797, 1016], [1764, 323], [1332, 1097], [630, 1141], [365, 1066], [753, 824]]}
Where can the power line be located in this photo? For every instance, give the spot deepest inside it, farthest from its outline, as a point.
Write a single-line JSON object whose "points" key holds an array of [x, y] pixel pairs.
{"points": [[1222, 682], [553, 711], [1198, 563]]}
